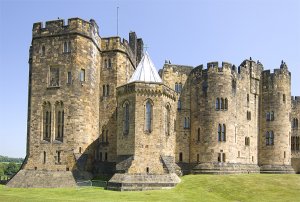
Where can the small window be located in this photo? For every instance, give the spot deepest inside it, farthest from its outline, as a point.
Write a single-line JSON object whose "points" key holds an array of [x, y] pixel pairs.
{"points": [[54, 77], [221, 103], [105, 156], [106, 136], [148, 117], [109, 63], [217, 104], [226, 104], [107, 90], [198, 157], [43, 51], [283, 98], [219, 133], [179, 87], [247, 141], [223, 133], [147, 170], [82, 75], [105, 63], [100, 156], [180, 157], [176, 87], [248, 115], [198, 138], [69, 78], [44, 157], [179, 105], [126, 118], [269, 138], [248, 98], [67, 47], [58, 157]]}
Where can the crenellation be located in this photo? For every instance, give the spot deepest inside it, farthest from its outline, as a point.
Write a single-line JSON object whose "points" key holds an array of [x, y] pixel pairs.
{"points": [[91, 112]]}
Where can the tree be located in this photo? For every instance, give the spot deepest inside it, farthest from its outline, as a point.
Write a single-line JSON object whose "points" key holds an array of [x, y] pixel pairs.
{"points": [[11, 169]]}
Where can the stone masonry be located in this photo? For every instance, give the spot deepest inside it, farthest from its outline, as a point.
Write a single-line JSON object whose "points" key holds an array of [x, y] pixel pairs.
{"points": [[218, 119]]}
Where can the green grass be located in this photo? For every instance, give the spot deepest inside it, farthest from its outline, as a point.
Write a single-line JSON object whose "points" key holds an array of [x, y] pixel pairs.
{"points": [[255, 187]]}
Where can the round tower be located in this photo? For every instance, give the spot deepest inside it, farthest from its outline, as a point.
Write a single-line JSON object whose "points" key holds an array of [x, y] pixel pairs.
{"points": [[213, 118], [275, 126]]}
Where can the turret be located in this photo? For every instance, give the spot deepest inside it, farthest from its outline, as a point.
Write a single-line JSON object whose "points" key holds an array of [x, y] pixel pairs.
{"points": [[275, 127]]}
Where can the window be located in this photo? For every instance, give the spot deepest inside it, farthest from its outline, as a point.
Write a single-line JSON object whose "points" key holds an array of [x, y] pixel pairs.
{"points": [[105, 63], [247, 141], [179, 105], [186, 122], [180, 157], [167, 120], [100, 156], [147, 170], [80, 150], [44, 158], [248, 98], [102, 136], [270, 116], [69, 78], [283, 98], [43, 51], [105, 156], [217, 104], [109, 63], [293, 141], [295, 123], [204, 88], [106, 136], [82, 75], [221, 103], [198, 157], [233, 83], [54, 77], [248, 115], [126, 118], [176, 87], [107, 90], [219, 133], [179, 87], [46, 121], [59, 116], [58, 158], [148, 117], [226, 104], [67, 47], [297, 143], [198, 138], [221, 157], [223, 133], [269, 138]]}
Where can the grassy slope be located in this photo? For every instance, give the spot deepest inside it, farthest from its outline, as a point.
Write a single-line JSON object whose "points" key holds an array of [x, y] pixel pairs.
{"points": [[258, 188]]}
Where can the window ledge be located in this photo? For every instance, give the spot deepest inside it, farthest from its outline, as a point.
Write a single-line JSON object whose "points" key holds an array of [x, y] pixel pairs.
{"points": [[58, 141], [53, 87], [45, 141]]}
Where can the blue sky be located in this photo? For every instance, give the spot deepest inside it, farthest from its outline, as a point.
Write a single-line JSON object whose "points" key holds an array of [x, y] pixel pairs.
{"points": [[185, 32]]}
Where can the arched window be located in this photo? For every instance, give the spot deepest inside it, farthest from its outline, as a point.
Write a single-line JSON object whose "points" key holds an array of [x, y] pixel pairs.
{"points": [[217, 104], [295, 123], [167, 120], [126, 118], [176, 87], [47, 121], [179, 105], [268, 116], [223, 133], [179, 87], [221, 103], [148, 117], [226, 104], [198, 138], [59, 116], [219, 133], [67, 47]]}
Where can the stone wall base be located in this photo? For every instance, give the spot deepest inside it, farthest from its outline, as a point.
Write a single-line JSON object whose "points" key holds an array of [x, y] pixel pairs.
{"points": [[224, 168], [296, 164], [277, 169], [42, 179], [139, 182]]}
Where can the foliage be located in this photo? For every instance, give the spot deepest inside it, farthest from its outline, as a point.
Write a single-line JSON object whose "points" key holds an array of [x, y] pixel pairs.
{"points": [[252, 187], [9, 159], [8, 169]]}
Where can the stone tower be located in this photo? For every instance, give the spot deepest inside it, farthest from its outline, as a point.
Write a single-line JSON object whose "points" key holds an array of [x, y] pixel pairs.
{"points": [[145, 135], [275, 126]]}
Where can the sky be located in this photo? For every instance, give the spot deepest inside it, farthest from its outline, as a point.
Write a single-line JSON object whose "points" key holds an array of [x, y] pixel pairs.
{"points": [[182, 31]]}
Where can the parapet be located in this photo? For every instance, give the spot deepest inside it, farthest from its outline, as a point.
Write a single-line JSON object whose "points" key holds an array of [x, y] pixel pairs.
{"points": [[75, 25]]}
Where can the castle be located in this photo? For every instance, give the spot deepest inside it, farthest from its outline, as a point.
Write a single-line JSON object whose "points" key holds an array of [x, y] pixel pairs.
{"points": [[97, 106]]}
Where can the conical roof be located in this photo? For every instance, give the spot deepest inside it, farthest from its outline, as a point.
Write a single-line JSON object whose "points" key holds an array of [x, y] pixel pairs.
{"points": [[145, 71]]}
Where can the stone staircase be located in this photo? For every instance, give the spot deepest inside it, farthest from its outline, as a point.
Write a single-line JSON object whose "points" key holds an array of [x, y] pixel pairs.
{"points": [[170, 166]]}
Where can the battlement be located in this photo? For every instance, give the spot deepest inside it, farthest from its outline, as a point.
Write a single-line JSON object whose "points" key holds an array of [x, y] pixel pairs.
{"points": [[295, 100], [58, 27], [182, 69]]}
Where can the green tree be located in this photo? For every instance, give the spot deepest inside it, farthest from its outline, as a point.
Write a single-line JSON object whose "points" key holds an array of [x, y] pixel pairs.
{"points": [[11, 169]]}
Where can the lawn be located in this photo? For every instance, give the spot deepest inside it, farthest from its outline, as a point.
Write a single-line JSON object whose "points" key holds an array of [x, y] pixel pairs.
{"points": [[253, 187]]}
